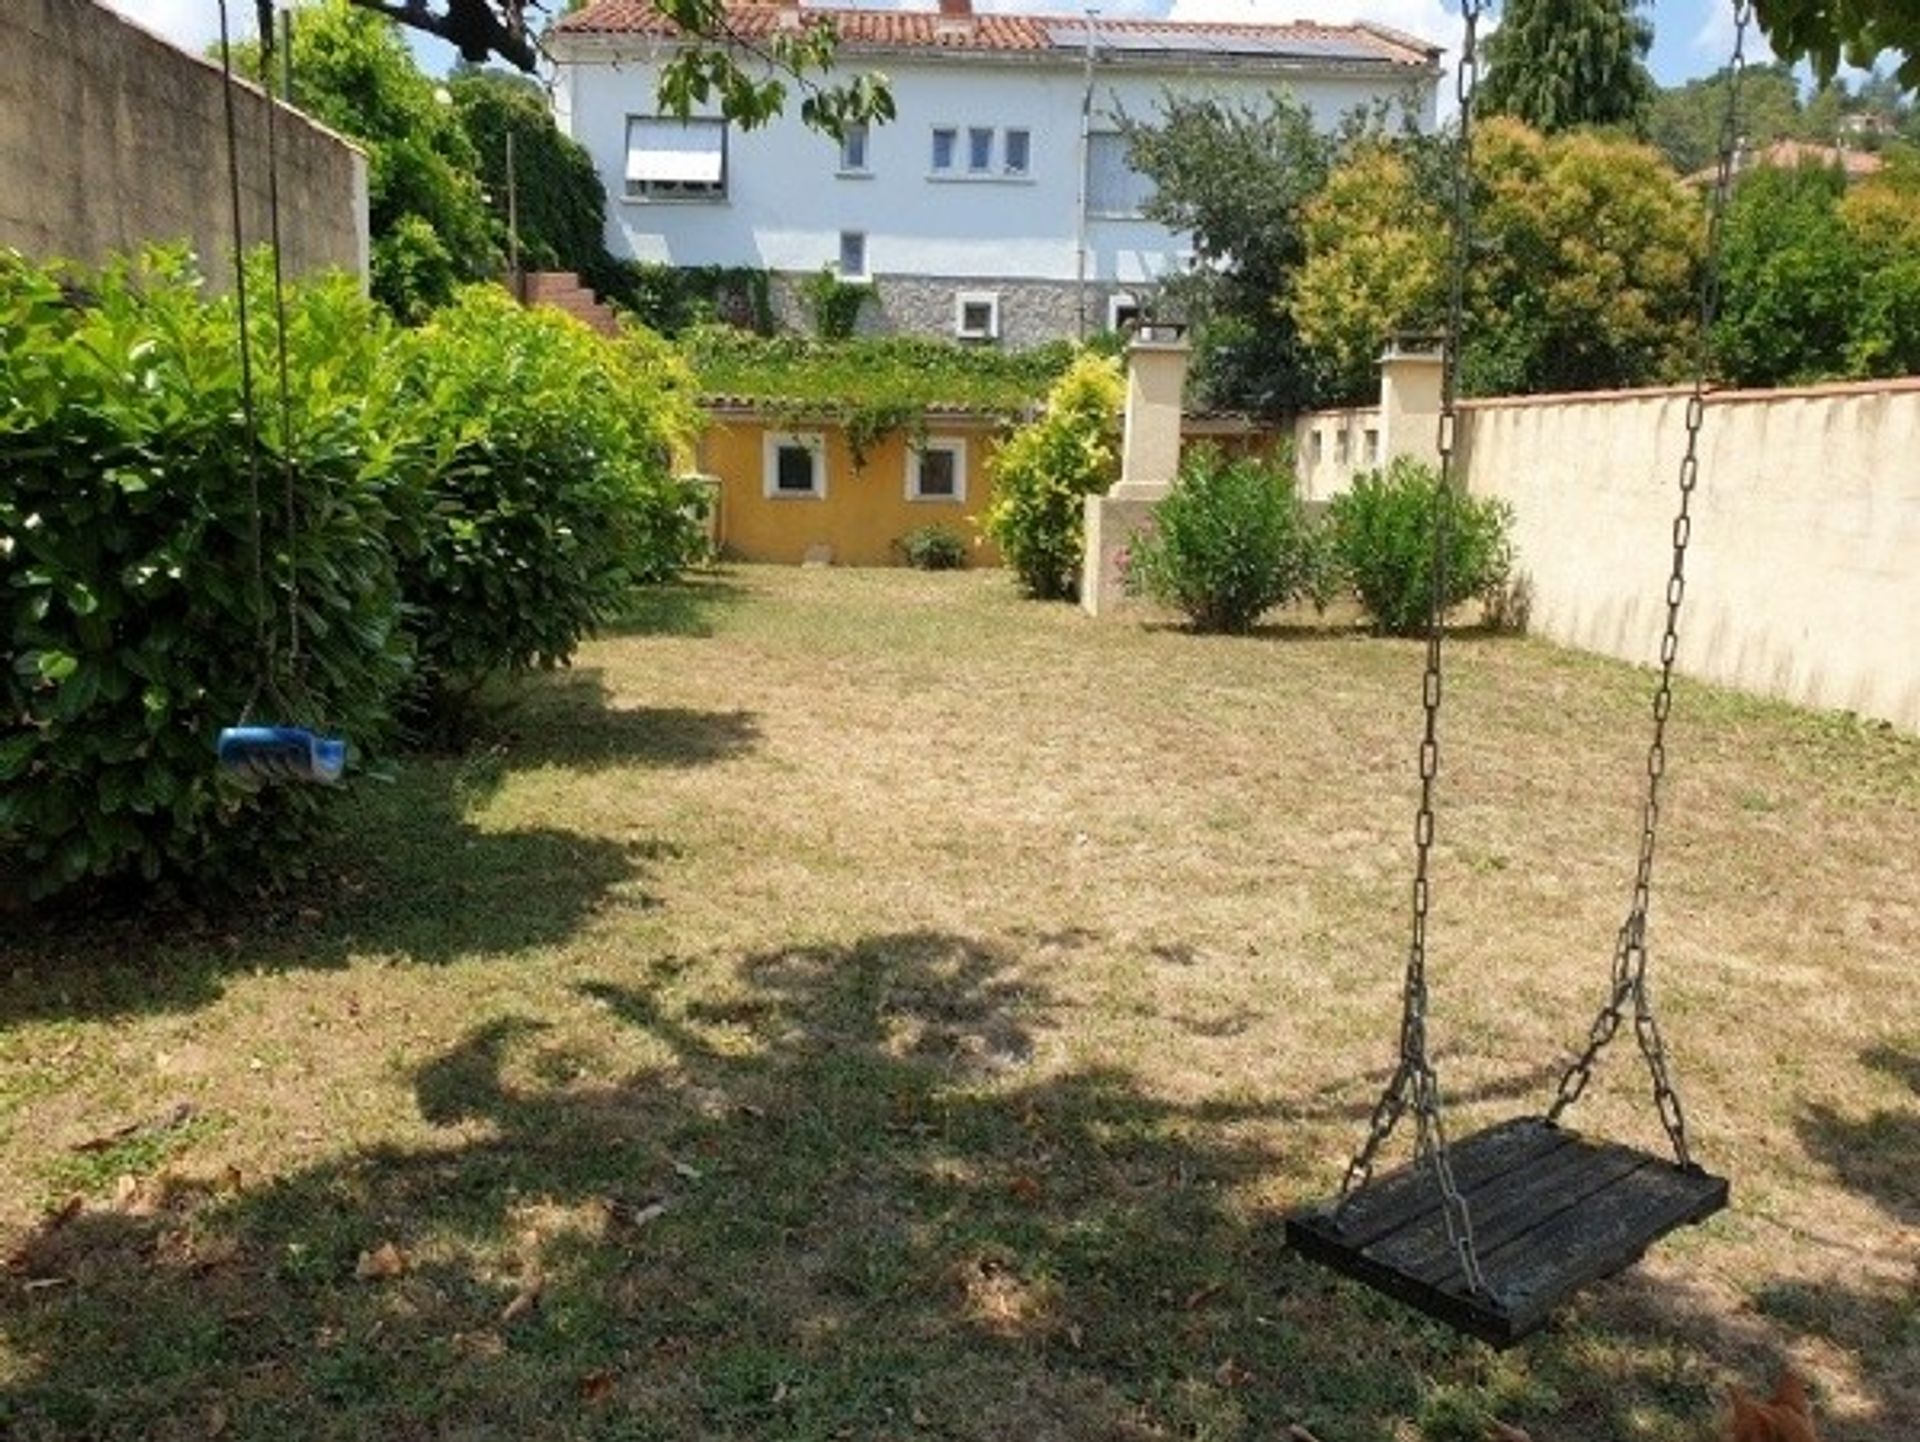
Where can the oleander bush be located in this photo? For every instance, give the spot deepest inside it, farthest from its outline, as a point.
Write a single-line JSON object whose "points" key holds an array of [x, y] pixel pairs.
{"points": [[1382, 537], [135, 619], [1231, 541]]}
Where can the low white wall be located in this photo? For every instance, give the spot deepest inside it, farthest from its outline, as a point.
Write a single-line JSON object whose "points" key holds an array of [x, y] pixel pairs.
{"points": [[1804, 565]]}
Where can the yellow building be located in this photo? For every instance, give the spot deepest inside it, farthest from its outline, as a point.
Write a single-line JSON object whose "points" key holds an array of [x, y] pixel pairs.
{"points": [[795, 491]]}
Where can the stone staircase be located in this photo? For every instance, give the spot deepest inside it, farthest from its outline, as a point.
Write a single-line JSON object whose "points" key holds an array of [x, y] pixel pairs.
{"points": [[562, 290]]}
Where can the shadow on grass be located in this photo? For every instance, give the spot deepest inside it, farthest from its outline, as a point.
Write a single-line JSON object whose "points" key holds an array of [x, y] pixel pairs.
{"points": [[412, 872], [838, 1201], [569, 719], [685, 607], [1876, 1154]]}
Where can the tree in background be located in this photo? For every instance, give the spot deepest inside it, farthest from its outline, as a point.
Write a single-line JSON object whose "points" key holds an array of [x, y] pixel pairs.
{"points": [[1376, 241], [1582, 277], [562, 205], [1684, 122], [1820, 282], [1238, 180], [1557, 64], [430, 226]]}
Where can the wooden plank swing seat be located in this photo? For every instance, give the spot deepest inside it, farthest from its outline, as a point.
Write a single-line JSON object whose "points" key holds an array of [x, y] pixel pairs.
{"points": [[1552, 1212]]}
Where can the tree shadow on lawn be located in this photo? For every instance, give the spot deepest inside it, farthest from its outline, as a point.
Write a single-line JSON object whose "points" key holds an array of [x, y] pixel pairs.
{"points": [[839, 1206], [688, 606], [411, 873], [1876, 1154]]}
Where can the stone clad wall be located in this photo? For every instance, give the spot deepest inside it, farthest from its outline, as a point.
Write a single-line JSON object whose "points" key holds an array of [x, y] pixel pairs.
{"points": [[111, 139], [1032, 312]]}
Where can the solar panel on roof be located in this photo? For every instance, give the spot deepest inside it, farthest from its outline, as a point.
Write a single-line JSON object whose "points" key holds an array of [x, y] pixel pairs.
{"points": [[1189, 42]]}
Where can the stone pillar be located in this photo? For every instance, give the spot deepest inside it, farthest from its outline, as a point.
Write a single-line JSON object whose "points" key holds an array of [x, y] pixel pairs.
{"points": [[1410, 402], [1149, 464]]}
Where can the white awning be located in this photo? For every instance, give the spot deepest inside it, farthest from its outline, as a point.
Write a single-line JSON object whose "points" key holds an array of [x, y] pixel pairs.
{"points": [[684, 151]]}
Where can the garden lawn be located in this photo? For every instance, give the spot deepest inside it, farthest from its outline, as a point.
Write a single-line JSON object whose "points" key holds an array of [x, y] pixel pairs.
{"points": [[866, 1005]]}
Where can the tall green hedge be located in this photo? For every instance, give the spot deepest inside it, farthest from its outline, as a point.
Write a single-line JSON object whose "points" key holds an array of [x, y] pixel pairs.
{"points": [[469, 497], [129, 599]]}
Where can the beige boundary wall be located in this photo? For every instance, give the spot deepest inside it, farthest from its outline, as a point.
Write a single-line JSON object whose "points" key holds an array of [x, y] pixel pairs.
{"points": [[1804, 565], [112, 139]]}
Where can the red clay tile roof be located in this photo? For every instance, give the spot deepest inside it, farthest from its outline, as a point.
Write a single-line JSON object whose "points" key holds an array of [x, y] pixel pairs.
{"points": [[929, 30], [1788, 154]]}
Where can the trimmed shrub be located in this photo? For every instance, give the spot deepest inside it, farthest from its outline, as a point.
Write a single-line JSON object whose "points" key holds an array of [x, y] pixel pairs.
{"points": [[544, 487], [132, 611], [1046, 469], [1230, 542], [934, 548], [1383, 542]]}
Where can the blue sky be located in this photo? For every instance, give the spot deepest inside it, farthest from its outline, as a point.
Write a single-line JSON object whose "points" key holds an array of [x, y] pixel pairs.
{"points": [[1690, 36]]}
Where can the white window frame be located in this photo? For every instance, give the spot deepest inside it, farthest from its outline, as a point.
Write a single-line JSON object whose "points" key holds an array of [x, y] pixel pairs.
{"points": [[1006, 152], [658, 192], [934, 167], [957, 447], [964, 298], [984, 165], [863, 166], [865, 272], [1123, 300], [814, 443]]}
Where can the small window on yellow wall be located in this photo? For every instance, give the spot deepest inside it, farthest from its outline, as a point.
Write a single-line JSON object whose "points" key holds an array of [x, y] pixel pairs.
{"points": [[795, 465], [937, 470]]}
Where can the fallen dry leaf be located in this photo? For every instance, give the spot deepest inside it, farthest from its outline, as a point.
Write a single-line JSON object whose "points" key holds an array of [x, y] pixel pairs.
{"points": [[525, 1300], [1297, 1433], [1026, 1189], [628, 1214], [217, 1420], [686, 1172], [1501, 1432], [1200, 1296], [597, 1385], [230, 1180], [59, 1216], [175, 1117], [1231, 1374], [384, 1262]]}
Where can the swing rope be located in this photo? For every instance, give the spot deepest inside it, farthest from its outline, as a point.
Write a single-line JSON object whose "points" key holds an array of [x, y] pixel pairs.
{"points": [[1415, 1082], [1630, 949], [270, 662], [263, 639]]}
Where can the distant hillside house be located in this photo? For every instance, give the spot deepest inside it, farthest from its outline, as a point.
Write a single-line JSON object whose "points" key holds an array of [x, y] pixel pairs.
{"points": [[1791, 155], [986, 211]]}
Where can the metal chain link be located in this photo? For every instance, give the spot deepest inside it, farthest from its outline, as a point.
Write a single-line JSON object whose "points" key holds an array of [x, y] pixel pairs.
{"points": [[1415, 1082], [1630, 949]]}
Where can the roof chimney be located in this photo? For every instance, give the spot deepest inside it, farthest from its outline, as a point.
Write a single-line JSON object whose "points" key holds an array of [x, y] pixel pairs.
{"points": [[955, 21]]}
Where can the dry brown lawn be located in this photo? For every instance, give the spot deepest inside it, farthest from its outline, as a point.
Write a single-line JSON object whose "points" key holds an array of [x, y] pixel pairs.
{"points": [[864, 1004]]}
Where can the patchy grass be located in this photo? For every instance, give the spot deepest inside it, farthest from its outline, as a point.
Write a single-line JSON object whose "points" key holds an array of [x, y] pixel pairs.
{"points": [[860, 1004]]}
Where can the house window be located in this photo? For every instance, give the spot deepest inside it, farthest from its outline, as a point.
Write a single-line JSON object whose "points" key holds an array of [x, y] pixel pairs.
{"points": [[937, 470], [669, 159], [945, 137], [1114, 188], [1370, 447], [980, 149], [853, 255], [795, 465], [1017, 151], [853, 149], [1342, 446], [1316, 446], [1123, 313], [976, 315]]}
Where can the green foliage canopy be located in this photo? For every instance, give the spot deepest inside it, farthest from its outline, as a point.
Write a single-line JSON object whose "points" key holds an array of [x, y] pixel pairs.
{"points": [[1558, 64], [1047, 468], [561, 204]]}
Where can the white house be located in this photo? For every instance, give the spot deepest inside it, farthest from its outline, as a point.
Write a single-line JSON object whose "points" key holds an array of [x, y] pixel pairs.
{"points": [[998, 205]]}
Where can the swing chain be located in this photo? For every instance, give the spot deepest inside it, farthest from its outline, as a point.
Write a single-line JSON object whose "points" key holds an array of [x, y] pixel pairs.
{"points": [[1415, 1083], [1630, 949]]}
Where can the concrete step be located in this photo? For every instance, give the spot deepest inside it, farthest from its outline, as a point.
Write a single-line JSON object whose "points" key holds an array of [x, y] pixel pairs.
{"points": [[562, 290]]}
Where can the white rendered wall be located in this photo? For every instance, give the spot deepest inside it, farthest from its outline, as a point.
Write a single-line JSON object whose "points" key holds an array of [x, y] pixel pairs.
{"points": [[786, 205]]}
